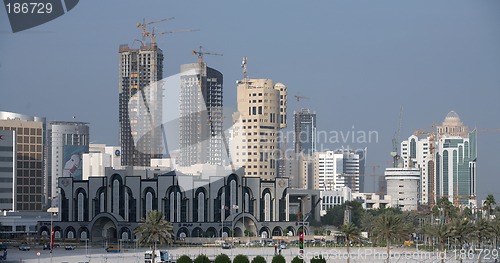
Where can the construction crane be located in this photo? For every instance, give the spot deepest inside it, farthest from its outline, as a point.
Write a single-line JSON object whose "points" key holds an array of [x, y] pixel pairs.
{"points": [[299, 97], [153, 35], [144, 25], [395, 140]]}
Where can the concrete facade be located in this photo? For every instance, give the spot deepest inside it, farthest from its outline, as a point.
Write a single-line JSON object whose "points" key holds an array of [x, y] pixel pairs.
{"points": [[8, 170], [261, 114], [30, 154], [403, 185], [109, 208]]}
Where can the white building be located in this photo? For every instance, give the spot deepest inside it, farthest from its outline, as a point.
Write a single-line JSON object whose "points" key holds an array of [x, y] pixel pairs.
{"points": [[98, 158], [334, 170], [332, 198], [403, 185], [8, 172], [372, 200], [417, 152], [67, 142]]}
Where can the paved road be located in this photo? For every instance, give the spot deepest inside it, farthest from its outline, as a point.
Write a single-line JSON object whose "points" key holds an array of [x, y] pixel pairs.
{"points": [[358, 255]]}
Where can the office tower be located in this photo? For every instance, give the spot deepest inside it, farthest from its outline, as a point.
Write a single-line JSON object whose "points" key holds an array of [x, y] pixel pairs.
{"points": [[67, 142], [8, 160], [261, 114], [418, 152], [200, 115], [29, 144], [140, 104], [336, 169], [403, 185], [456, 162], [99, 158], [305, 132]]}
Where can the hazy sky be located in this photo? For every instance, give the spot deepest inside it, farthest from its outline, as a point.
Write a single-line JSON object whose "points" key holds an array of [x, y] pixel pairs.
{"points": [[357, 61]]}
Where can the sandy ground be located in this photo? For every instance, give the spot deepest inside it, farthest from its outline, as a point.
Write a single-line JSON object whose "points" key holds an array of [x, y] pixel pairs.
{"points": [[371, 255]]}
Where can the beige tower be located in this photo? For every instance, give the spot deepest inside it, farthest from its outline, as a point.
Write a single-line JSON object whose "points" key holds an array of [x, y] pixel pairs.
{"points": [[261, 114]]}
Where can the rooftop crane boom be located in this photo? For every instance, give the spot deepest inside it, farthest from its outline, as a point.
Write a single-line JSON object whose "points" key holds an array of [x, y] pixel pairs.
{"points": [[395, 140], [153, 35], [144, 24], [299, 97]]}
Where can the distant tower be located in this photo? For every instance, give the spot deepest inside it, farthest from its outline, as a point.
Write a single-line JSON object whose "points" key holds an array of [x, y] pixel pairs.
{"points": [[201, 115], [261, 114], [305, 132], [67, 142], [140, 104], [30, 152], [456, 161]]}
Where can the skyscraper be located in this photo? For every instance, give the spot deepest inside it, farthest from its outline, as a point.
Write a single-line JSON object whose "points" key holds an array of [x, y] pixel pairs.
{"points": [[261, 114], [140, 104], [336, 169], [8, 161], [200, 115], [30, 144], [67, 142], [456, 161], [305, 132]]}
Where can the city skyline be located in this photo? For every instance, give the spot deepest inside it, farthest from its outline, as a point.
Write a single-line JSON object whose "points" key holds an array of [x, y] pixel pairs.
{"points": [[428, 57]]}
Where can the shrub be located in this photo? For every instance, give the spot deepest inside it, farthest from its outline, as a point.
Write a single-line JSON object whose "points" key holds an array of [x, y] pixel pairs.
{"points": [[318, 259], [258, 259], [184, 259], [222, 258], [296, 259], [202, 259], [241, 259], [278, 259]]}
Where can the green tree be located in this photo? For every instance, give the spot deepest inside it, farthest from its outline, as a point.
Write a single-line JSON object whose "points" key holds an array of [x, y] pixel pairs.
{"points": [[390, 227], [184, 259], [202, 259], [488, 205], [258, 259], [441, 232], [241, 259], [154, 229], [318, 259], [351, 233], [296, 259], [222, 258], [462, 232], [335, 215], [278, 259]]}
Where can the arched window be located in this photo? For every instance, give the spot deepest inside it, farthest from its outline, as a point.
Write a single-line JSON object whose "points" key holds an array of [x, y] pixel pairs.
{"points": [[102, 202], [247, 202], [81, 200], [149, 202], [233, 194], [267, 207], [116, 197], [83, 235], [223, 206], [127, 206], [201, 207]]}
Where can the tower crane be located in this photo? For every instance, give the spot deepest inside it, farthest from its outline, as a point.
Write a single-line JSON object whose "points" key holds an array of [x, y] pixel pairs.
{"points": [[153, 35], [299, 97], [144, 24], [395, 140]]}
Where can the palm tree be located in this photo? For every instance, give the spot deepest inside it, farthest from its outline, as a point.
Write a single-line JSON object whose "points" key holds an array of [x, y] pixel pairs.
{"points": [[441, 232], [351, 232], [483, 230], [155, 229], [462, 231], [488, 205], [389, 226]]}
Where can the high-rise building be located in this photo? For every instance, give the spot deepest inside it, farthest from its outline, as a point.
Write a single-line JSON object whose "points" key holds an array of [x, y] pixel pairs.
{"points": [[30, 144], [305, 132], [261, 114], [403, 185], [200, 115], [8, 160], [140, 104], [417, 152], [336, 169], [99, 158], [67, 142], [456, 162]]}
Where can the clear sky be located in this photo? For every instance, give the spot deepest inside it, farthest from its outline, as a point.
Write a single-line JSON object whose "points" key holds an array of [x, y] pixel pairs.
{"points": [[357, 61]]}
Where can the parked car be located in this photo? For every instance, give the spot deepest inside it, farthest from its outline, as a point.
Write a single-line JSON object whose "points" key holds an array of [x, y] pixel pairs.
{"points": [[69, 247], [24, 247], [113, 250], [226, 245]]}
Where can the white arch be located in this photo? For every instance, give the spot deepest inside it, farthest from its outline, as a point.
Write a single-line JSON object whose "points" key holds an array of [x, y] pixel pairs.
{"points": [[201, 207], [81, 199]]}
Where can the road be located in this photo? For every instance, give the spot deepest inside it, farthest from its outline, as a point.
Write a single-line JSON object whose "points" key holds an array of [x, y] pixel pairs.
{"points": [[358, 255]]}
